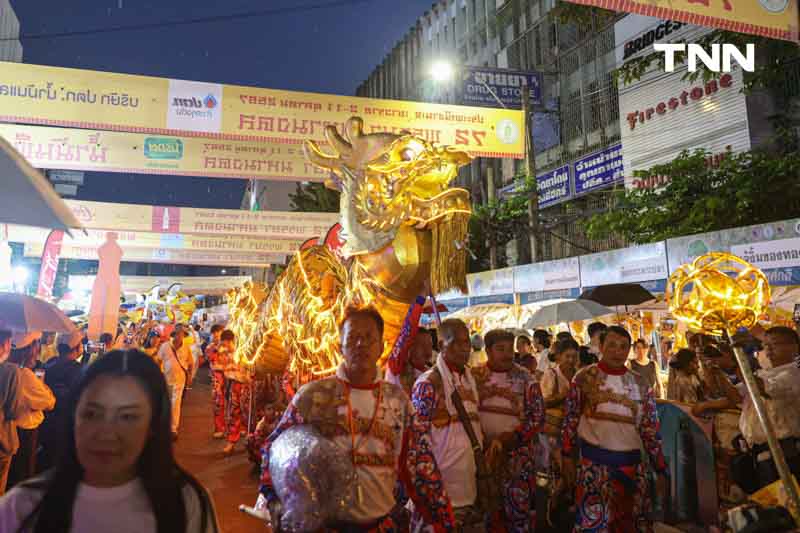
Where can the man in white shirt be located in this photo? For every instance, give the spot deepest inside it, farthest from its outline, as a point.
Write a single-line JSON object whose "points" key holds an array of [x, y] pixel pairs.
{"points": [[435, 415], [177, 367], [781, 385]]}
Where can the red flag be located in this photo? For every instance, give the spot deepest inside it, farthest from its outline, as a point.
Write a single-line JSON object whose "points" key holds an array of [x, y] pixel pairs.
{"points": [[50, 257]]}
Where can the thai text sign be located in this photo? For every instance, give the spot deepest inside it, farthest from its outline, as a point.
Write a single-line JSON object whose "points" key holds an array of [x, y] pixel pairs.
{"points": [[233, 222], [172, 241], [482, 84], [111, 151], [780, 253], [776, 19], [554, 186], [164, 255], [107, 101], [598, 170], [144, 284]]}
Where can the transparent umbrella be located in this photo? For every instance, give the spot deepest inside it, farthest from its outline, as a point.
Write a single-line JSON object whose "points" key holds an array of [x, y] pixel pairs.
{"points": [[20, 313]]}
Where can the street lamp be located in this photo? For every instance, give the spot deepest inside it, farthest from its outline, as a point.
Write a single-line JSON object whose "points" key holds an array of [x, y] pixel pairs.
{"points": [[444, 71]]}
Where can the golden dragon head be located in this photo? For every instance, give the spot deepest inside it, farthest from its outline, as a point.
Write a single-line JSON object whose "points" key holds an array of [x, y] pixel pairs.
{"points": [[394, 181]]}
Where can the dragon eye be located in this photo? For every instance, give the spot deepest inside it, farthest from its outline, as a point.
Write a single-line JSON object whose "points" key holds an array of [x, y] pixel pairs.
{"points": [[408, 154]]}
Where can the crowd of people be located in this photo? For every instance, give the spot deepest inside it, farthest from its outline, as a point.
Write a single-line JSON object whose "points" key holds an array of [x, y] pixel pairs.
{"points": [[515, 433], [459, 432]]}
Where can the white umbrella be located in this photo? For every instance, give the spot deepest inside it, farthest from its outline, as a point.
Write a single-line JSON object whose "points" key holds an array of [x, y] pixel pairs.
{"points": [[28, 198], [21, 313], [569, 311]]}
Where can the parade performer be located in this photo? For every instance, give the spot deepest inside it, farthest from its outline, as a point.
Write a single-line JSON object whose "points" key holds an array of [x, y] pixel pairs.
{"points": [[610, 417], [372, 421], [436, 418], [409, 360], [177, 367], [512, 414], [217, 362], [238, 380]]}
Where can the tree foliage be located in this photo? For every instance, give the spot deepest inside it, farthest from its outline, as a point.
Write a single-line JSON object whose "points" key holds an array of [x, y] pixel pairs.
{"points": [[314, 197], [499, 222], [761, 185]]}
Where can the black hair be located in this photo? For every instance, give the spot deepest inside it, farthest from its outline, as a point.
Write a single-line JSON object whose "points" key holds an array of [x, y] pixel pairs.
{"points": [[216, 327], [64, 349], [497, 335], [586, 357], [23, 357], [523, 339], [106, 338], [163, 480], [595, 327], [563, 335], [448, 326], [616, 330], [5, 336], [563, 345], [682, 358], [542, 337], [227, 335], [787, 333], [640, 341], [425, 331], [369, 312]]}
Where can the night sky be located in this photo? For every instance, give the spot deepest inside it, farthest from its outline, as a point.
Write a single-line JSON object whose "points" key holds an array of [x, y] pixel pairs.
{"points": [[329, 50]]}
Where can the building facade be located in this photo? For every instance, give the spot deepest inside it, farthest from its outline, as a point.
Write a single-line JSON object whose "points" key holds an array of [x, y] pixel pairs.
{"points": [[579, 103], [10, 46]]}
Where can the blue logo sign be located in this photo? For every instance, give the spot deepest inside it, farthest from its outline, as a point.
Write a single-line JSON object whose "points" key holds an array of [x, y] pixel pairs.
{"points": [[485, 86], [598, 170], [554, 186]]}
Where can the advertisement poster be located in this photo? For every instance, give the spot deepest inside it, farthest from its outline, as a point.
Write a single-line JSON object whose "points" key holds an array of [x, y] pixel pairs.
{"points": [[481, 84], [627, 265], [554, 186], [54, 96]]}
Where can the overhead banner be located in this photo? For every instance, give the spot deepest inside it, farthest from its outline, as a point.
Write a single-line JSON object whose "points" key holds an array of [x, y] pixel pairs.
{"points": [[164, 255], [34, 94], [144, 284], [776, 19], [189, 220], [110, 151], [170, 241]]}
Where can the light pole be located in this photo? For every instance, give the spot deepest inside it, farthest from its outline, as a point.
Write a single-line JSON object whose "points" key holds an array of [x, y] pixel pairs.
{"points": [[444, 71]]}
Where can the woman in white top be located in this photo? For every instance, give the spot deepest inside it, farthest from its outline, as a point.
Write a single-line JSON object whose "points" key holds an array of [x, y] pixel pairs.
{"points": [[117, 471]]}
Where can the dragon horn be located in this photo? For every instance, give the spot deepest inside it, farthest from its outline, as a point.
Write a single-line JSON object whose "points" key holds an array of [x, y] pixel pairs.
{"points": [[353, 129], [319, 158], [342, 147]]}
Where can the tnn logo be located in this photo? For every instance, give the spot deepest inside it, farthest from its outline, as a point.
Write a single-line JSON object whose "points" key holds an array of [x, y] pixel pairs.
{"points": [[715, 62]]}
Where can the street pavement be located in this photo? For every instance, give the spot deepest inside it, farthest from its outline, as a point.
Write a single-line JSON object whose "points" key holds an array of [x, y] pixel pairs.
{"points": [[229, 479]]}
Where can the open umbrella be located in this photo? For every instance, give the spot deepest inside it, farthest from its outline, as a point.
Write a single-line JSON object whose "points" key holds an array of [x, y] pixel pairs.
{"points": [[19, 312], [569, 311], [28, 198], [618, 294]]}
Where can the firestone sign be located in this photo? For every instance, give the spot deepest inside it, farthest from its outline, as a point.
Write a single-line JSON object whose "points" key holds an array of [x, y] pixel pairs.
{"points": [[680, 101]]}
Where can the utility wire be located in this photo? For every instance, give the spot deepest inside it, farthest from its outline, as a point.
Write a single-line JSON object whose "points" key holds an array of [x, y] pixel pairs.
{"points": [[187, 22]]}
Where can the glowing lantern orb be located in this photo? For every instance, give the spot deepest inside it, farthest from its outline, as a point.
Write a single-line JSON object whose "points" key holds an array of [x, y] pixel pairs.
{"points": [[718, 292]]}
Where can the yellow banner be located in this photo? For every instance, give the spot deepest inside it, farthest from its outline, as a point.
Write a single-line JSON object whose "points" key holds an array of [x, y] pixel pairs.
{"points": [[189, 220], [111, 151], [107, 101], [170, 241], [164, 255], [777, 19]]}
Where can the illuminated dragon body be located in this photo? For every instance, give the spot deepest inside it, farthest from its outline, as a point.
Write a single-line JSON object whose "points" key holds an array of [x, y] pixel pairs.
{"points": [[404, 233]]}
